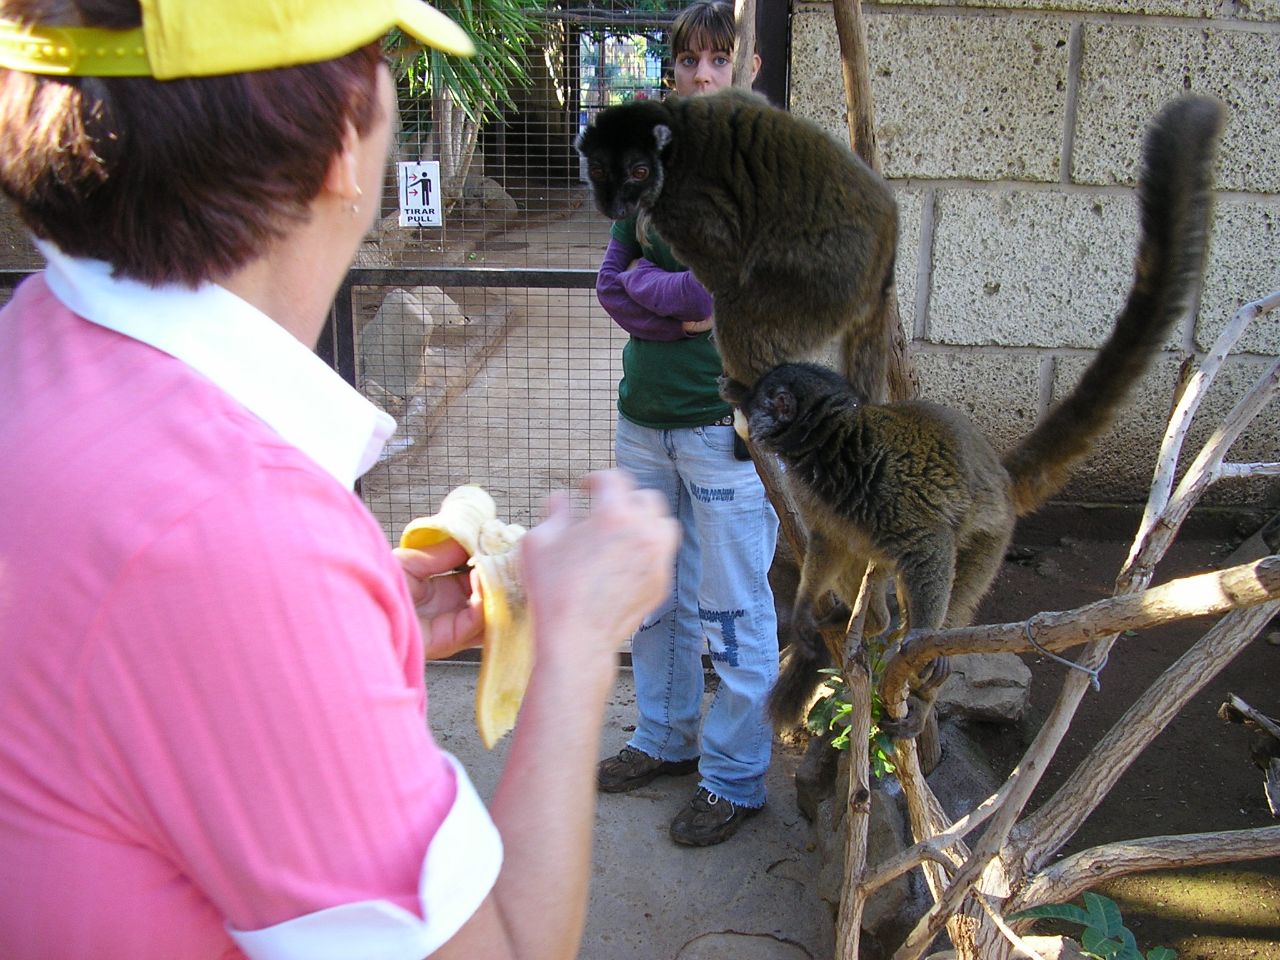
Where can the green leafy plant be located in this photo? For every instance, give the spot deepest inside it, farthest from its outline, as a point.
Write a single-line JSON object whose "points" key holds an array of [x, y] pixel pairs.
{"points": [[833, 712], [465, 92], [1105, 936]]}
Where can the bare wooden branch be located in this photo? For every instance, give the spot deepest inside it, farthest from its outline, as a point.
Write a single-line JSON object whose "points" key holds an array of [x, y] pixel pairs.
{"points": [[933, 848], [744, 49], [1206, 468], [1154, 522], [925, 814], [1264, 747], [1027, 842], [1249, 713], [1020, 946], [851, 32], [1215, 592], [982, 868], [857, 817], [1236, 470], [1071, 876], [1058, 818]]}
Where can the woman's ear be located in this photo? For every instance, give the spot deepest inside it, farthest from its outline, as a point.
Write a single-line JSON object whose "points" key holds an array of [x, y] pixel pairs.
{"points": [[343, 176]]}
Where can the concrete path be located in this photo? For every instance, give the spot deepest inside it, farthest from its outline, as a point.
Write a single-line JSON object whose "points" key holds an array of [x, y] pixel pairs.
{"points": [[750, 898]]}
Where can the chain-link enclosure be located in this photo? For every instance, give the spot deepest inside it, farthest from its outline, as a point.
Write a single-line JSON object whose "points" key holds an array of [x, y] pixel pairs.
{"points": [[482, 335]]}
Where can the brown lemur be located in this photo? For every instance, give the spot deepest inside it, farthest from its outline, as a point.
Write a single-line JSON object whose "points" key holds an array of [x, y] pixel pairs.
{"points": [[791, 233], [917, 486]]}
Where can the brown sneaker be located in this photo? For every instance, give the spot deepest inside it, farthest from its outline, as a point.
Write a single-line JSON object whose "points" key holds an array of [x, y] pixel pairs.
{"points": [[631, 769], [708, 819]]}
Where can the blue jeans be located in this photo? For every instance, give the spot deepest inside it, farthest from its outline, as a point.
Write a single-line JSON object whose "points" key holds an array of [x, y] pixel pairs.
{"points": [[721, 602]]}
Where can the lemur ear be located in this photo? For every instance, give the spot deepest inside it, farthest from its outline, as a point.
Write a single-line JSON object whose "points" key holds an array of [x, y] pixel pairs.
{"points": [[661, 135]]}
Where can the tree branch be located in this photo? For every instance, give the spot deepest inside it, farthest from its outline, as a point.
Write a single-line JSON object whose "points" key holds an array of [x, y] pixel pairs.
{"points": [[1042, 834], [1246, 712], [851, 32], [1070, 877], [1215, 592], [857, 816], [1154, 523], [744, 47]]}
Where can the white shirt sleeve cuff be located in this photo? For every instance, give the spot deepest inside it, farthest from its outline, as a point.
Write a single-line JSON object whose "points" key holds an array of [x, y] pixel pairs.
{"points": [[460, 868]]}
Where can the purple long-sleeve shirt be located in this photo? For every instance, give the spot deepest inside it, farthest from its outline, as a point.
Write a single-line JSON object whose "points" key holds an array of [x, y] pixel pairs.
{"points": [[646, 301]]}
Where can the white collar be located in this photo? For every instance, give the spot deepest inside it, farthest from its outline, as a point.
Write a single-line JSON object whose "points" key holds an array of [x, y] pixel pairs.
{"points": [[238, 347]]}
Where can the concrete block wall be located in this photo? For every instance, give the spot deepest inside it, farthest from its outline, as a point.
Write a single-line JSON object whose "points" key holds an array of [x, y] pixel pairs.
{"points": [[1011, 130]]}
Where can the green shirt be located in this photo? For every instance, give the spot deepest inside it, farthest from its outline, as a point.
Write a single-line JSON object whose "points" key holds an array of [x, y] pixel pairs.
{"points": [[667, 384]]}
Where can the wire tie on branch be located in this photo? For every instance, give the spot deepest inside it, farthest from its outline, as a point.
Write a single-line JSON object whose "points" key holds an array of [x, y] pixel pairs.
{"points": [[1093, 674]]}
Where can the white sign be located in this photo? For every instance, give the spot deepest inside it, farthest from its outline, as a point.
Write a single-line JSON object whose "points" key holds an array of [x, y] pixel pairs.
{"points": [[420, 194]]}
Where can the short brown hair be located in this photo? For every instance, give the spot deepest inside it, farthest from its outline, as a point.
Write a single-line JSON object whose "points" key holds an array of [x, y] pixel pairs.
{"points": [[704, 25], [172, 181]]}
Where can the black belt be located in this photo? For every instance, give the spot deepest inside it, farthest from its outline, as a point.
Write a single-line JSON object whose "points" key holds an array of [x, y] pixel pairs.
{"points": [[725, 421]]}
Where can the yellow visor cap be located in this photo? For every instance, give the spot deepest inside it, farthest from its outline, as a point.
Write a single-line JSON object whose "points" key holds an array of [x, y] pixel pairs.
{"points": [[200, 38]]}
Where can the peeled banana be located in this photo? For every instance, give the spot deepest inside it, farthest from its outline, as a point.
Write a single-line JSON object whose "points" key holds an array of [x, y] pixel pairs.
{"points": [[468, 515]]}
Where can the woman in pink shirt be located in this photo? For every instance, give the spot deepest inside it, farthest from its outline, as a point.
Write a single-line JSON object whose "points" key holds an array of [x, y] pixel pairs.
{"points": [[212, 736]]}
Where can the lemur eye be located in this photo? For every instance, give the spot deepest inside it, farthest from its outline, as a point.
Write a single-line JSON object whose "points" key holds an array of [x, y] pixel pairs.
{"points": [[640, 172], [597, 173]]}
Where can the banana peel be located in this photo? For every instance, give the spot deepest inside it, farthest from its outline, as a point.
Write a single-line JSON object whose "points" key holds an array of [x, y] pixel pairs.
{"points": [[468, 515]]}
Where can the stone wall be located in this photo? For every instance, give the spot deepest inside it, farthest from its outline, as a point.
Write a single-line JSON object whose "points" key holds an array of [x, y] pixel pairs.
{"points": [[1011, 131]]}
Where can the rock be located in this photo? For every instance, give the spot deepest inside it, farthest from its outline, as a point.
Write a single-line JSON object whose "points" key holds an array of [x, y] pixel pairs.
{"points": [[966, 775], [382, 248], [986, 686], [1049, 948], [485, 197], [384, 244], [392, 347], [1056, 948], [816, 776], [886, 837]]}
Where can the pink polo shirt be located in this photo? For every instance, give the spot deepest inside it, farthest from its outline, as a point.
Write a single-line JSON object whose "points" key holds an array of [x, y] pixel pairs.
{"points": [[212, 736]]}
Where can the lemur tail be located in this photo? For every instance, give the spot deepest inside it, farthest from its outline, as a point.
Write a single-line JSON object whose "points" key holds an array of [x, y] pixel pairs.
{"points": [[798, 679], [1175, 201]]}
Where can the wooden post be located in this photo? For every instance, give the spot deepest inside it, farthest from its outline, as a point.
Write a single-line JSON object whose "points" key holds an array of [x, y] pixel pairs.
{"points": [[744, 47]]}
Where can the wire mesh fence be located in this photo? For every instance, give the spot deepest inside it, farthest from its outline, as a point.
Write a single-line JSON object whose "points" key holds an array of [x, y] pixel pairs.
{"points": [[475, 322]]}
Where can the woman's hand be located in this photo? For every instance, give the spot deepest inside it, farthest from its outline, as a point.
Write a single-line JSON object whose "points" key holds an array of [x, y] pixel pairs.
{"points": [[698, 326], [591, 580], [445, 598]]}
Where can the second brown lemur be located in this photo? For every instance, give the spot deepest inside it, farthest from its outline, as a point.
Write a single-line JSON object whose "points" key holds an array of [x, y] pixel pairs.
{"points": [[916, 485]]}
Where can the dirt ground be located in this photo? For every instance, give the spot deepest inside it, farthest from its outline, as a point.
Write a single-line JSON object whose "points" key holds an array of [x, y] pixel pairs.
{"points": [[1195, 777]]}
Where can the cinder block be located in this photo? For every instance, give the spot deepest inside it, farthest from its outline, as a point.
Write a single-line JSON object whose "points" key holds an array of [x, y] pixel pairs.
{"points": [[1121, 467], [1157, 8], [910, 203], [999, 391], [1261, 10], [817, 90], [1129, 71], [1029, 268], [1005, 81], [1244, 265]]}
